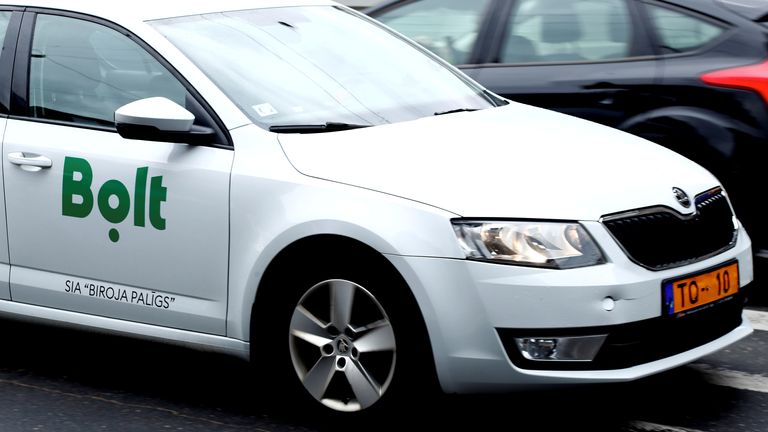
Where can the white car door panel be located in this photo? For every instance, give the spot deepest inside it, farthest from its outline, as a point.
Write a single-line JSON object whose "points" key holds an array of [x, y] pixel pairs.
{"points": [[127, 229]]}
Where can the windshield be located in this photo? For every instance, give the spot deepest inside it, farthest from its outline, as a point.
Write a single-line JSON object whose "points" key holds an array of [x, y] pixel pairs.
{"points": [[319, 65]]}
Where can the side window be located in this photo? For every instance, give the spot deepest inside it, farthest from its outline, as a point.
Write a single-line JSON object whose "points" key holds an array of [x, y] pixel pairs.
{"points": [[567, 30], [5, 18], [448, 28], [679, 32], [81, 72]]}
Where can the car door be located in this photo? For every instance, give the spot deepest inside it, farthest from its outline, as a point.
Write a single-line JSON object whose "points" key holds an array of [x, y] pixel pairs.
{"points": [[98, 224], [588, 58], [9, 27]]}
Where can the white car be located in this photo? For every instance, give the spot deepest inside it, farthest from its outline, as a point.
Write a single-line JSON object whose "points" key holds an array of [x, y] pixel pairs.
{"points": [[291, 182]]}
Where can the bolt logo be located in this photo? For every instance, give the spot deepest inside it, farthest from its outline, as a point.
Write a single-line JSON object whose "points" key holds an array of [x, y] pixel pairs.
{"points": [[78, 177]]}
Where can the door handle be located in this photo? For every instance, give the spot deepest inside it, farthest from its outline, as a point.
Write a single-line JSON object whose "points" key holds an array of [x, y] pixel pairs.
{"points": [[29, 161]]}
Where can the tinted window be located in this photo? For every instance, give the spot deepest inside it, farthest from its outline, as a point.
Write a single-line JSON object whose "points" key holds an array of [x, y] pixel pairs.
{"points": [[567, 30], [5, 18], [679, 32], [448, 28], [82, 72]]}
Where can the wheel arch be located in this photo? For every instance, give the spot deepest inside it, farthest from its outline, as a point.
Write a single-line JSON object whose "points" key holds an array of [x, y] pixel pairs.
{"points": [[715, 130], [358, 251]]}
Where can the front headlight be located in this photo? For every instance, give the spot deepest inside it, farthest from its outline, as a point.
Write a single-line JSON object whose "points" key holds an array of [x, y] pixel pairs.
{"points": [[558, 245]]}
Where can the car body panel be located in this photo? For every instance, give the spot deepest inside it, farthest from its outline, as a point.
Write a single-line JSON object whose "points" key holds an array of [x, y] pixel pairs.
{"points": [[232, 206], [653, 91], [495, 296], [145, 261], [491, 147], [290, 206]]}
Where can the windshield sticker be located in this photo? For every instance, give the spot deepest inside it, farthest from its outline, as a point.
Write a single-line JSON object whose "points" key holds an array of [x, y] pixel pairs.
{"points": [[124, 295], [264, 110], [113, 197]]}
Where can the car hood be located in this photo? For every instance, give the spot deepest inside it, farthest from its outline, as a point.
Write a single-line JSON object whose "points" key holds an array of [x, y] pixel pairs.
{"points": [[515, 161]]}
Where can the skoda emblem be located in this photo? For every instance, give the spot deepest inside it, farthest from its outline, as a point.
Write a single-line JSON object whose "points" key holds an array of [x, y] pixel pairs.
{"points": [[681, 197], [343, 346]]}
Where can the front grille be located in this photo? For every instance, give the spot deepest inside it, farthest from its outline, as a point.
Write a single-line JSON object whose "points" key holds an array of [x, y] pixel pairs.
{"points": [[639, 342], [659, 238]]}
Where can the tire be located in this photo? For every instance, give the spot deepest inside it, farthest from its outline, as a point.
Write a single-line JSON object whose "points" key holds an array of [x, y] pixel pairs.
{"points": [[349, 340]]}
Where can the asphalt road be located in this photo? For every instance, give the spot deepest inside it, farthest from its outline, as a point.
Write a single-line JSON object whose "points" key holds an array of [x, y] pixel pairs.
{"points": [[69, 381]]}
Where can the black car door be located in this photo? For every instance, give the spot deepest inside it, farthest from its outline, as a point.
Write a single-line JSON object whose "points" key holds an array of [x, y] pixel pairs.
{"points": [[589, 58]]}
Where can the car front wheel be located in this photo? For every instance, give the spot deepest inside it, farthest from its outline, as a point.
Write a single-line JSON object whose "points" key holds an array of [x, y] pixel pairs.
{"points": [[342, 345]]}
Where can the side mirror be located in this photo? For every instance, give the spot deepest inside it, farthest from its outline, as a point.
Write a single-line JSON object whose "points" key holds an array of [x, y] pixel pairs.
{"points": [[160, 119]]}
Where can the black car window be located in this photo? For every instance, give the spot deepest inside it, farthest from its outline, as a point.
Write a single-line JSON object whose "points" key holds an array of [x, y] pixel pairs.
{"points": [[567, 30], [679, 32], [5, 18], [446, 27], [81, 72]]}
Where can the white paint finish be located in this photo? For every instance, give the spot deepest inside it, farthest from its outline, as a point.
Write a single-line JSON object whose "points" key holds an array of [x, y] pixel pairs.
{"points": [[759, 319], [201, 341], [731, 378], [273, 206], [5, 281], [5, 293], [106, 299], [642, 426], [515, 161], [472, 371], [159, 112], [188, 258], [463, 302]]}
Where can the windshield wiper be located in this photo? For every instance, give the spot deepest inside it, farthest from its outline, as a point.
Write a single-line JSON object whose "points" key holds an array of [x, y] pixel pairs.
{"points": [[456, 111], [316, 128]]}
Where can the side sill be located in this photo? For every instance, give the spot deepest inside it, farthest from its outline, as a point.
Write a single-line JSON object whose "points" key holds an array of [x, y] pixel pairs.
{"points": [[93, 323]]}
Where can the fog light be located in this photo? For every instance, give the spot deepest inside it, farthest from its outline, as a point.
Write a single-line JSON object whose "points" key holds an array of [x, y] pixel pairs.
{"points": [[575, 348]]}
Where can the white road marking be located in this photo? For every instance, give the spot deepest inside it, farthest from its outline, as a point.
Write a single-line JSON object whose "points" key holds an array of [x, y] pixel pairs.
{"points": [[758, 319], [731, 378], [641, 426]]}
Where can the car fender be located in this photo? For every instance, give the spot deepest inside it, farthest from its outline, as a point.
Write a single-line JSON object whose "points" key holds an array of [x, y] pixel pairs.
{"points": [[713, 128], [274, 206]]}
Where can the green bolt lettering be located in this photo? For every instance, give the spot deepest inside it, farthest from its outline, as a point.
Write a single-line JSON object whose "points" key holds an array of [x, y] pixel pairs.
{"points": [[140, 198], [120, 212], [72, 188], [157, 194], [82, 189]]}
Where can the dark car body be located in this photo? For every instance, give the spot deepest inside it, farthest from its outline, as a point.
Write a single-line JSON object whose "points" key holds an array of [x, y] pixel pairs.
{"points": [[688, 74]]}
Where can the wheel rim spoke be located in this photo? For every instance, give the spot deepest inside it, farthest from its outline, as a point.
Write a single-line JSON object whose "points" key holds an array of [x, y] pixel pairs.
{"points": [[342, 297], [380, 338], [317, 379], [366, 390], [342, 345], [307, 327]]}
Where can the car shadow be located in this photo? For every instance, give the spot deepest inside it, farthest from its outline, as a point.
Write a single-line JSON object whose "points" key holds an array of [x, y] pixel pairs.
{"points": [[217, 391]]}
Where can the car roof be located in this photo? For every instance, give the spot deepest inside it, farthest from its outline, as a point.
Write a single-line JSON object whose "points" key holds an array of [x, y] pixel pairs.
{"points": [[145, 10]]}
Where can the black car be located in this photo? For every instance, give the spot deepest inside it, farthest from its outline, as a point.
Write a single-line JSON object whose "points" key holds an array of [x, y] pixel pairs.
{"points": [[691, 75]]}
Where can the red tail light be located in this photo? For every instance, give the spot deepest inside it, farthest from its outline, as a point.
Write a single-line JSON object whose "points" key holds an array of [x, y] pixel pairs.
{"points": [[752, 77]]}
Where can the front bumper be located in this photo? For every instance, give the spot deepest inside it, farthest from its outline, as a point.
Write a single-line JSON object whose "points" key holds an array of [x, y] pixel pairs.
{"points": [[472, 308]]}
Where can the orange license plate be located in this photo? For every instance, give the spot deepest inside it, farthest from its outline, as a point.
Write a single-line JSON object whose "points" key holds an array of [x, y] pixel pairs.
{"points": [[699, 290]]}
